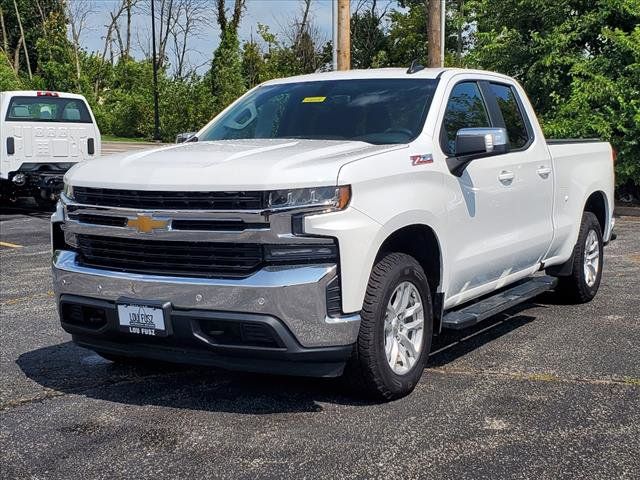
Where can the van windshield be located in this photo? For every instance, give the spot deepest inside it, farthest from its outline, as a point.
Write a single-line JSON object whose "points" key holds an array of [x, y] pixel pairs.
{"points": [[48, 109], [378, 111]]}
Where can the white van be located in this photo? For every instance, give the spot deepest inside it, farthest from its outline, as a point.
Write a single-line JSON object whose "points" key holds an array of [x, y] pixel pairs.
{"points": [[42, 135]]}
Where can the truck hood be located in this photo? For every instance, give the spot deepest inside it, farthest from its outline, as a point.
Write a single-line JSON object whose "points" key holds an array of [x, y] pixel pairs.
{"points": [[260, 164]]}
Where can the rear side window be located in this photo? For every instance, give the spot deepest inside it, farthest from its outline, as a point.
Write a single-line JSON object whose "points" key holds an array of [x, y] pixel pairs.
{"points": [[506, 97], [465, 109], [48, 109]]}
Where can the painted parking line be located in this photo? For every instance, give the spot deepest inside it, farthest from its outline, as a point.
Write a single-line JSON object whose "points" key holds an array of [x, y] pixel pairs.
{"points": [[9, 245]]}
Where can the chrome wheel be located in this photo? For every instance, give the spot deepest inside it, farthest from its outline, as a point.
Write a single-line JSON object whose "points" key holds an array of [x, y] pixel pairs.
{"points": [[591, 258], [403, 328]]}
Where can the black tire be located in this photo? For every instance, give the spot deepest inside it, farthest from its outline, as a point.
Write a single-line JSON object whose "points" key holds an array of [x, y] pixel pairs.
{"points": [[368, 370], [575, 288]]}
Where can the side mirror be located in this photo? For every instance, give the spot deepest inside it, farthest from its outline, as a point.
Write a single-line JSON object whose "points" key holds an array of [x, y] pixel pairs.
{"points": [[183, 137], [474, 143]]}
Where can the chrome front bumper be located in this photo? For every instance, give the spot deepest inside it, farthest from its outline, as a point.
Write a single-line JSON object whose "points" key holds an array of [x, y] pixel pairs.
{"points": [[294, 295]]}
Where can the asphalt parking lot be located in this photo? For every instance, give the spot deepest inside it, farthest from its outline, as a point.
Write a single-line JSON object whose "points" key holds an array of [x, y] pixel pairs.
{"points": [[547, 391]]}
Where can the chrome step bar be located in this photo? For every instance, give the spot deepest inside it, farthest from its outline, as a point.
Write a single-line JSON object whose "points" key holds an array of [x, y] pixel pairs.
{"points": [[476, 312]]}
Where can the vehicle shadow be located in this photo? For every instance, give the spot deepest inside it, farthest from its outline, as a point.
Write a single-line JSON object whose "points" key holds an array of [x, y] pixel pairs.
{"points": [[73, 370], [24, 206]]}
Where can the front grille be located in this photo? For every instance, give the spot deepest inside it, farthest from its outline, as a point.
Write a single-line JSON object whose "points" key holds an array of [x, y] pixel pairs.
{"points": [[155, 200], [108, 220], [199, 259]]}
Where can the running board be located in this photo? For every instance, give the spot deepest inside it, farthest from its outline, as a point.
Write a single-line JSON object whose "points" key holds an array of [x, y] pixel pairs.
{"points": [[483, 309]]}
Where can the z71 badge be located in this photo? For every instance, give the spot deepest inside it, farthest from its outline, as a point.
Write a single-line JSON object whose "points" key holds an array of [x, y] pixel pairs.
{"points": [[421, 159]]}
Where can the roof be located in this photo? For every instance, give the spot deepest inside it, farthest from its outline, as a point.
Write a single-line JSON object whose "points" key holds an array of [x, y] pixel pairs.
{"points": [[34, 93], [426, 73]]}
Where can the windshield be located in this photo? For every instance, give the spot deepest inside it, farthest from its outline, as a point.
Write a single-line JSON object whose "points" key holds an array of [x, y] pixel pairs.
{"points": [[379, 111]]}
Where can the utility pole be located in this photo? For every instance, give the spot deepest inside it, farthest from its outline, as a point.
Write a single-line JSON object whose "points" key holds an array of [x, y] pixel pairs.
{"points": [[435, 14], [344, 35], [334, 36], [156, 112]]}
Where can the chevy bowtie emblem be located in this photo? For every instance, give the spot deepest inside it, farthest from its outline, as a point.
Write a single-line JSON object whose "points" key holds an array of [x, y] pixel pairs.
{"points": [[147, 224]]}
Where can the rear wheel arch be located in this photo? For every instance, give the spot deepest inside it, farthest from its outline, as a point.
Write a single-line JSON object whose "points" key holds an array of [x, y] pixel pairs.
{"points": [[597, 204]]}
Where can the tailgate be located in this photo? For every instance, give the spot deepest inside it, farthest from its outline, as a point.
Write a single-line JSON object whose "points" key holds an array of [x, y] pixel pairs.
{"points": [[50, 129]]}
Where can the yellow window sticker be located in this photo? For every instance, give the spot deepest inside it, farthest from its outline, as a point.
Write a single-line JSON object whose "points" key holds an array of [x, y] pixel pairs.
{"points": [[314, 99]]}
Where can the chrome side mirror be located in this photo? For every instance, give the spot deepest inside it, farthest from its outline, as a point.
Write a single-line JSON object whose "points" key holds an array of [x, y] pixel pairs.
{"points": [[183, 137], [470, 141], [475, 143]]}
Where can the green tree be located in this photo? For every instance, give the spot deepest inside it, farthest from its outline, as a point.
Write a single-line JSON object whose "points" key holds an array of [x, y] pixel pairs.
{"points": [[578, 61], [252, 64], [227, 82], [9, 80], [33, 17], [368, 38], [55, 55]]}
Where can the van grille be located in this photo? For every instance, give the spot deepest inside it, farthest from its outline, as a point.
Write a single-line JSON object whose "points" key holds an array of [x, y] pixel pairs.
{"points": [[155, 200], [199, 259]]}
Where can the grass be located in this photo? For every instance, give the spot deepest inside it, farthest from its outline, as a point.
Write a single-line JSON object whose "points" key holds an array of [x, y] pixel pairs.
{"points": [[113, 138]]}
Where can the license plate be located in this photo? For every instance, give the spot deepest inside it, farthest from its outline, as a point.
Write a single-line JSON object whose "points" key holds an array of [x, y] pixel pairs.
{"points": [[142, 319]]}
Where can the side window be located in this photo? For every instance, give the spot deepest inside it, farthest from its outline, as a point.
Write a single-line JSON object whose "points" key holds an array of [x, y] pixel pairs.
{"points": [[506, 97], [465, 109]]}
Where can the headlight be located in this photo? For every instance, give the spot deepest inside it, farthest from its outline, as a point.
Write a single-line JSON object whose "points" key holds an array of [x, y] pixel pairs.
{"points": [[330, 198], [68, 191]]}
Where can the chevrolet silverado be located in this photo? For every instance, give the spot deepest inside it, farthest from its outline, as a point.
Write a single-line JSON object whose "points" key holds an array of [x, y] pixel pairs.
{"points": [[331, 225]]}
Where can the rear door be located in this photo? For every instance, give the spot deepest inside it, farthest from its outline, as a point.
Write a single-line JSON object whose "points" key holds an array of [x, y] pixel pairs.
{"points": [[48, 128]]}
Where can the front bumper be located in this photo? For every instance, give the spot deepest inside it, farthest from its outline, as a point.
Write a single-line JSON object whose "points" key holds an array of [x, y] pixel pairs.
{"points": [[292, 297], [39, 180], [246, 342]]}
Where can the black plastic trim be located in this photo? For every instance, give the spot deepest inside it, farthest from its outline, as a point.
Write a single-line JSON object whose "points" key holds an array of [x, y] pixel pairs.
{"points": [[570, 141]]}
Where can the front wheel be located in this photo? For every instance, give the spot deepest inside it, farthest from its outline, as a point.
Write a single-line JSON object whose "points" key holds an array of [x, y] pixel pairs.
{"points": [[395, 331], [583, 283]]}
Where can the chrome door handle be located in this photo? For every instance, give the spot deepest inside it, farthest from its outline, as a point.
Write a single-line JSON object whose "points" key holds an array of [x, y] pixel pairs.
{"points": [[506, 176], [544, 172]]}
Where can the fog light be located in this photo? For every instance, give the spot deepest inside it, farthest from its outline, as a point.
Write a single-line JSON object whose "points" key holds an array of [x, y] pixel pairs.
{"points": [[19, 179]]}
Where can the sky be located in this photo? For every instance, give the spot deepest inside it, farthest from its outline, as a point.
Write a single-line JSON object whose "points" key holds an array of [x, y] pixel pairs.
{"points": [[274, 13]]}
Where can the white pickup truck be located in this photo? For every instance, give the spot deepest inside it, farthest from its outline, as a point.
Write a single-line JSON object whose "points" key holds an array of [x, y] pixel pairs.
{"points": [[330, 225], [42, 134]]}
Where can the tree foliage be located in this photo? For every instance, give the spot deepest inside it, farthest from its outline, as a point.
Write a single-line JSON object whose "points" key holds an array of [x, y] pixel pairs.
{"points": [[579, 60]]}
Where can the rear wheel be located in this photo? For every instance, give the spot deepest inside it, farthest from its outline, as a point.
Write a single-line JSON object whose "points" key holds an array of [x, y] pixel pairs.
{"points": [[583, 283], [395, 332]]}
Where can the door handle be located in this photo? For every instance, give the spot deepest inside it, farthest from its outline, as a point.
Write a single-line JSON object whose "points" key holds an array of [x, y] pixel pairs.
{"points": [[506, 177], [11, 146], [544, 172]]}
